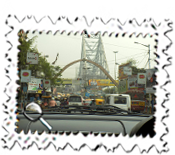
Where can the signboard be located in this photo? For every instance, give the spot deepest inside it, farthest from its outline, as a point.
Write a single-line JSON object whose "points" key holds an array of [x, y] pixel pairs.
{"points": [[32, 58], [150, 80], [136, 93], [25, 75], [75, 82], [87, 94], [66, 81], [47, 84], [93, 82], [48, 90], [101, 82], [141, 78], [150, 90], [34, 84], [123, 86], [39, 91], [125, 70], [132, 82]]}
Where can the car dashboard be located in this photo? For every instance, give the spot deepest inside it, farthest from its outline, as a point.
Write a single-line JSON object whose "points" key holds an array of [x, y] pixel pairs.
{"points": [[87, 123]]}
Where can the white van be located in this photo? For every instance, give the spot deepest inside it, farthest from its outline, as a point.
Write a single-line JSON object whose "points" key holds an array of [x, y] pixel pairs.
{"points": [[75, 100], [122, 101]]}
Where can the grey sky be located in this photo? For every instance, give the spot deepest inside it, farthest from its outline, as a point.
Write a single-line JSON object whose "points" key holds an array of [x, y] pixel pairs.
{"points": [[69, 49]]}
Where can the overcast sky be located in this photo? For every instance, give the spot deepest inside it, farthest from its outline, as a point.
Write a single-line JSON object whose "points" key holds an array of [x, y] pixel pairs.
{"points": [[69, 49]]}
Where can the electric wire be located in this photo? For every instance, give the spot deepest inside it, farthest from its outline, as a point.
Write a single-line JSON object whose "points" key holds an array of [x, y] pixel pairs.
{"points": [[127, 58], [108, 43], [125, 46], [146, 63], [142, 60]]}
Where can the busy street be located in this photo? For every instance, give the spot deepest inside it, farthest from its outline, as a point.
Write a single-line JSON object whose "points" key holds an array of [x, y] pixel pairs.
{"points": [[97, 86]]}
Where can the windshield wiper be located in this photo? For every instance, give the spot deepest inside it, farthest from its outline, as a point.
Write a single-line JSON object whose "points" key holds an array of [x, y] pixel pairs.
{"points": [[105, 110]]}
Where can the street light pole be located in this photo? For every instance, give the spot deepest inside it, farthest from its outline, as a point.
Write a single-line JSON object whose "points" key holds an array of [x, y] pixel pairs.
{"points": [[115, 65], [85, 77]]}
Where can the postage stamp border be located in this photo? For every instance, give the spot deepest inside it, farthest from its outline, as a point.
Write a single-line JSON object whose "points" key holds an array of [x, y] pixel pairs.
{"points": [[112, 27]]}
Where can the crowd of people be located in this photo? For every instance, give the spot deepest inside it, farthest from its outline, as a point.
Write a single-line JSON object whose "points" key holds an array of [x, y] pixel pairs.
{"points": [[54, 102], [150, 106]]}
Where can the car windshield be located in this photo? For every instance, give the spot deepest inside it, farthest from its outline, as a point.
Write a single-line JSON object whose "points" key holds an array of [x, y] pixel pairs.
{"points": [[92, 82], [72, 83], [119, 100], [75, 99]]}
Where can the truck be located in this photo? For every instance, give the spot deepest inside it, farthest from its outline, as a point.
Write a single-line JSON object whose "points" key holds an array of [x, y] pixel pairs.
{"points": [[137, 99], [122, 101]]}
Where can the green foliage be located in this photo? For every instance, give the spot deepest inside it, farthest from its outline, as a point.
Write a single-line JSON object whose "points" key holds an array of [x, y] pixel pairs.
{"points": [[24, 47], [133, 61], [47, 70], [110, 90], [135, 70]]}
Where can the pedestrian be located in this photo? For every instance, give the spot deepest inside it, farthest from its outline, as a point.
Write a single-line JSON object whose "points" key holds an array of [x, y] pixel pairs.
{"points": [[44, 104], [65, 101], [41, 85], [93, 102], [152, 104], [146, 104], [52, 103]]}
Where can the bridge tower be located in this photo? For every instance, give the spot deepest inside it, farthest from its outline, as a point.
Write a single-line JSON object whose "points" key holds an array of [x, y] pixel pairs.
{"points": [[92, 49]]}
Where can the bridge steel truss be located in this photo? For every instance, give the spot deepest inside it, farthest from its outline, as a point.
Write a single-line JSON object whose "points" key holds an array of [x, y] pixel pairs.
{"points": [[93, 50]]}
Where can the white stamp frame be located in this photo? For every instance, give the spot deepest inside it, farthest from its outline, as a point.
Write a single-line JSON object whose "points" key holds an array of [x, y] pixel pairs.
{"points": [[77, 26]]}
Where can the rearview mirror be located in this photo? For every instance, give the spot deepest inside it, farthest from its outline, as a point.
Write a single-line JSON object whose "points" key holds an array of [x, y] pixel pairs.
{"points": [[34, 107]]}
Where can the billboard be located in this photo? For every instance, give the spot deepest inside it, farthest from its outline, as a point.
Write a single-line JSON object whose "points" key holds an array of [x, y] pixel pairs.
{"points": [[141, 78], [132, 82], [47, 84], [33, 85], [123, 86], [67, 81], [101, 82], [76, 82], [32, 58], [150, 80], [125, 70], [25, 75], [136, 93]]}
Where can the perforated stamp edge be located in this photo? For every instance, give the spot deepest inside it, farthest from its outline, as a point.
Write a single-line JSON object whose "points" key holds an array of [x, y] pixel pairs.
{"points": [[77, 26]]}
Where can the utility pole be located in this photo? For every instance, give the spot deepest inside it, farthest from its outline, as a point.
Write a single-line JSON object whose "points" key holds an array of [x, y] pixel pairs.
{"points": [[115, 69], [149, 56], [148, 46], [149, 68]]}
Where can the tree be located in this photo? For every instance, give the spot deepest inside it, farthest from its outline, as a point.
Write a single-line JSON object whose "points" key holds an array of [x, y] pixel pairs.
{"points": [[110, 90], [24, 47], [133, 61], [135, 70], [48, 71]]}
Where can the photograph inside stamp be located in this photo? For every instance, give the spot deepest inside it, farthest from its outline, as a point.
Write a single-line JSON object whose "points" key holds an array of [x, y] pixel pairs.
{"points": [[88, 82]]}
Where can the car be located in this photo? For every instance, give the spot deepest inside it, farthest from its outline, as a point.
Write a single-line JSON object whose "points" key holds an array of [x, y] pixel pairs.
{"points": [[75, 100], [122, 101], [100, 119]]}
